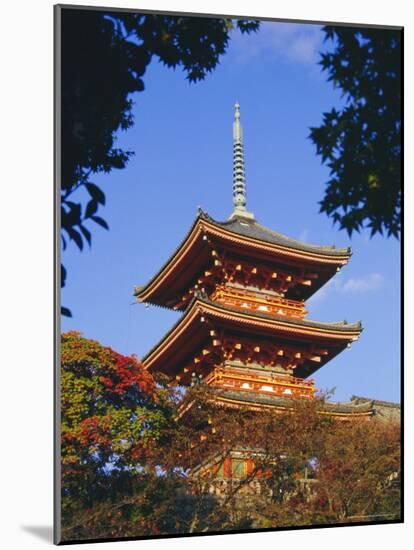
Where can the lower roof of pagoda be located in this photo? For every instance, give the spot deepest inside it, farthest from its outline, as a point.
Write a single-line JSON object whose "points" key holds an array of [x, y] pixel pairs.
{"points": [[245, 238], [257, 401], [188, 336]]}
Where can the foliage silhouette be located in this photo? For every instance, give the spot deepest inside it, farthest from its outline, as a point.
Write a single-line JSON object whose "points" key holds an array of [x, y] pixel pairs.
{"points": [[361, 142], [104, 58]]}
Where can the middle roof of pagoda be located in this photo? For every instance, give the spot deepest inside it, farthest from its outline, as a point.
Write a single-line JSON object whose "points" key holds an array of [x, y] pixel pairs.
{"points": [[192, 329], [245, 238]]}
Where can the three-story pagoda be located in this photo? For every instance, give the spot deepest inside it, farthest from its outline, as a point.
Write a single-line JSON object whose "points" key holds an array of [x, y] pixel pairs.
{"points": [[242, 288]]}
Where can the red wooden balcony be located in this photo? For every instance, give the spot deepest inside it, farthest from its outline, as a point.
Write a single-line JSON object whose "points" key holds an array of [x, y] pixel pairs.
{"points": [[259, 302], [281, 386]]}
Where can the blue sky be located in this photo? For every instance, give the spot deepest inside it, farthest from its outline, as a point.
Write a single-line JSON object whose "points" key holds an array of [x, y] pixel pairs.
{"points": [[183, 142]]}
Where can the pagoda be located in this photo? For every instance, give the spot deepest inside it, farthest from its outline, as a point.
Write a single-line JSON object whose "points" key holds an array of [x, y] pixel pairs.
{"points": [[242, 289]]}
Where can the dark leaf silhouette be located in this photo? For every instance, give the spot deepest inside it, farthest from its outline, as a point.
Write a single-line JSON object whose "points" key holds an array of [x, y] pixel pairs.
{"points": [[91, 208], [86, 233], [100, 221], [75, 236], [104, 57], [65, 312], [95, 192], [361, 143]]}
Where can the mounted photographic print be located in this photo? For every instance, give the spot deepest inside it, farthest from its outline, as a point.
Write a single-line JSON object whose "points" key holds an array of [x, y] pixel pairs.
{"points": [[228, 274]]}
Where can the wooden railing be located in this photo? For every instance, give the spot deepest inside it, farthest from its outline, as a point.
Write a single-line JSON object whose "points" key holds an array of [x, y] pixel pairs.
{"points": [[260, 302], [286, 386]]}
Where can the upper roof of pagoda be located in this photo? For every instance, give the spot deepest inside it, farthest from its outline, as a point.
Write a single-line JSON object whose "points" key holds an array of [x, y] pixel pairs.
{"points": [[192, 331], [244, 238], [254, 230], [241, 238]]}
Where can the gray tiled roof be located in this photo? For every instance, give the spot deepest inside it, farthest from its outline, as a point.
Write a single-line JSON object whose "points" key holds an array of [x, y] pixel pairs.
{"points": [[336, 325], [250, 228], [277, 401], [340, 326], [253, 229], [376, 402]]}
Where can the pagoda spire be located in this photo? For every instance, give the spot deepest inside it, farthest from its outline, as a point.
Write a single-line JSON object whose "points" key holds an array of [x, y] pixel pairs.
{"points": [[239, 178]]}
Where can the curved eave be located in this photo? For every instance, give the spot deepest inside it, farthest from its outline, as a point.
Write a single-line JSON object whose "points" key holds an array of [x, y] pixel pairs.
{"points": [[188, 333], [145, 292], [302, 326], [253, 229], [194, 251], [304, 252], [256, 401]]}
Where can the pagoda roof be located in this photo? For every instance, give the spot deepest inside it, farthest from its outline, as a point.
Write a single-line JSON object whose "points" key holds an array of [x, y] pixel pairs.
{"points": [[385, 409], [257, 400], [359, 400], [253, 229], [189, 333], [243, 236]]}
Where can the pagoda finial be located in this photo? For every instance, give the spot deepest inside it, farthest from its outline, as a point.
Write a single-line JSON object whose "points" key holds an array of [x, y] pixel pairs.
{"points": [[239, 178]]}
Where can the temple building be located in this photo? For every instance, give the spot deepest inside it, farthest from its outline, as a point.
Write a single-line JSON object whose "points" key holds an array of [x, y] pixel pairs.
{"points": [[241, 289]]}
